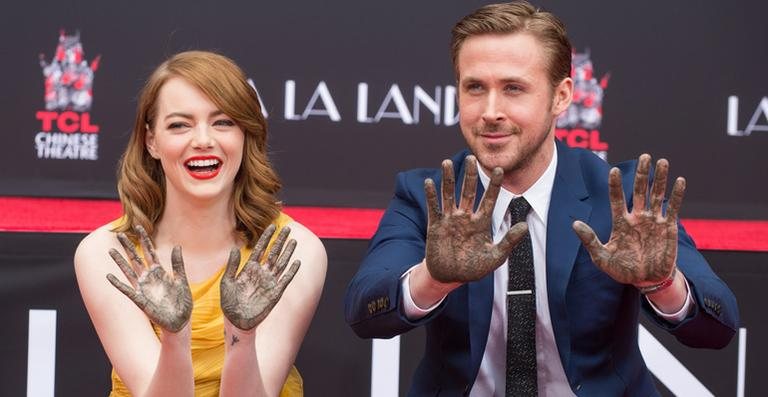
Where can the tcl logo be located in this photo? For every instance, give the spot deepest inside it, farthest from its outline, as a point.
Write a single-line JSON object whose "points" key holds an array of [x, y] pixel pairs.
{"points": [[67, 122]]}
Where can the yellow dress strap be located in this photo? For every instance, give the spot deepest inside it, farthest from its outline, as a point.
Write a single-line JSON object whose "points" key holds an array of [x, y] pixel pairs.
{"points": [[245, 251], [282, 220]]}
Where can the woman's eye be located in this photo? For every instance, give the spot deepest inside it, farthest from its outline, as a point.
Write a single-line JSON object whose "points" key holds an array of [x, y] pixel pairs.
{"points": [[224, 123], [176, 125]]}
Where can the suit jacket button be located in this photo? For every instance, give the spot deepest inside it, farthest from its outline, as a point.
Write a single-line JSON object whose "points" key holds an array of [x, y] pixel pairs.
{"points": [[578, 387]]}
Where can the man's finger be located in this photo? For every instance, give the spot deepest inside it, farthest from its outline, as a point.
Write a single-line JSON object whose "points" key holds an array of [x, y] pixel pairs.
{"points": [[488, 201], [510, 240], [596, 249], [469, 185], [659, 186], [124, 266], [285, 257], [433, 212], [641, 182], [676, 200], [177, 263], [127, 291], [616, 195], [448, 186], [277, 246], [232, 263]]}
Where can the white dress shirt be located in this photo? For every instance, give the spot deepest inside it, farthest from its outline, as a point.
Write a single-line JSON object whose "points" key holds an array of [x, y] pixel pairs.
{"points": [[491, 378]]}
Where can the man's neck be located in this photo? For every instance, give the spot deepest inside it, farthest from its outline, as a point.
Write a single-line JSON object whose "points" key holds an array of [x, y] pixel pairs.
{"points": [[522, 178]]}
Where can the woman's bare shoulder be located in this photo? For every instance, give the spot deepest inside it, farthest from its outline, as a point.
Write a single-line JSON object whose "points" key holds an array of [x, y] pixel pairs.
{"points": [[302, 234], [310, 250], [95, 245]]}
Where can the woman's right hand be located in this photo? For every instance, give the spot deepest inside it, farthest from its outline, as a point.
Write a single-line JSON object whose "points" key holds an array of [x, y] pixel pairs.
{"points": [[165, 298]]}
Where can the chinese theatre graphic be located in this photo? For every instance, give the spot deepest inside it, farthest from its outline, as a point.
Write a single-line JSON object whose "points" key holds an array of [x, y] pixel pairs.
{"points": [[579, 125], [66, 128]]}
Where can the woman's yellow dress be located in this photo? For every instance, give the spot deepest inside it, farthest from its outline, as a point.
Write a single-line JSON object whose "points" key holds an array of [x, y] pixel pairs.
{"points": [[208, 337]]}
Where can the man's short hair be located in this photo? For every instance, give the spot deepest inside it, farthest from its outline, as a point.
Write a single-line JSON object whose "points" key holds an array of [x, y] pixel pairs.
{"points": [[518, 17]]}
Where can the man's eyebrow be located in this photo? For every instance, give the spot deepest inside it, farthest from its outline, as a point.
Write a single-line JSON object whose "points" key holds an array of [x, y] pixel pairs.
{"points": [[506, 80], [470, 80]]}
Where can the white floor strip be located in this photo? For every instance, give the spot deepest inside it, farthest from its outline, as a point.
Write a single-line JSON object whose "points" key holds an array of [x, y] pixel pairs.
{"points": [[671, 372], [385, 367], [41, 358], [742, 362]]}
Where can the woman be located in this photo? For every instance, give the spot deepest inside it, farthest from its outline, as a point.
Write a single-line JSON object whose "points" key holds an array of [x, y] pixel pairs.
{"points": [[196, 175]]}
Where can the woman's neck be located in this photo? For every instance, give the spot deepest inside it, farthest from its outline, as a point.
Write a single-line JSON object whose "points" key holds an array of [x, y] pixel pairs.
{"points": [[197, 225]]}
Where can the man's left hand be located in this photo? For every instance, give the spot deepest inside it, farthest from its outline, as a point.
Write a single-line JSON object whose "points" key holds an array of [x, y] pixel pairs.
{"points": [[642, 249]]}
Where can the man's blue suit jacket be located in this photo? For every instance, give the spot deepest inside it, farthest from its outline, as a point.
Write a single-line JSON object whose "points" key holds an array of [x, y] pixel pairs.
{"points": [[595, 319]]}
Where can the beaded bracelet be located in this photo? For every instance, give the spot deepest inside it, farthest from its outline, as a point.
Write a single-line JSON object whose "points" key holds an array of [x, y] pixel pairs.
{"points": [[660, 286]]}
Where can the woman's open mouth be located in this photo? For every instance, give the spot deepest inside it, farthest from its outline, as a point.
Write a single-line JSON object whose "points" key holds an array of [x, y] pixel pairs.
{"points": [[203, 167]]}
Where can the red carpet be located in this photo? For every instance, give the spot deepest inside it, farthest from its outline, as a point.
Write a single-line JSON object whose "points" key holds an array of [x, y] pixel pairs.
{"points": [[51, 215]]}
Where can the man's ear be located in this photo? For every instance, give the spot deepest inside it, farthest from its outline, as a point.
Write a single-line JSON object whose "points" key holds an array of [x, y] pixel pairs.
{"points": [[562, 96], [149, 142]]}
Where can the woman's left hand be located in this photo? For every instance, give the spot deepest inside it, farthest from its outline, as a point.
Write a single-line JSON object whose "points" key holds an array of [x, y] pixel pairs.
{"points": [[163, 296], [248, 297]]}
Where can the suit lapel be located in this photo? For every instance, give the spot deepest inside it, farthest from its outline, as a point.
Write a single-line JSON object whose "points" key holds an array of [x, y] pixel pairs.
{"points": [[480, 306], [568, 203]]}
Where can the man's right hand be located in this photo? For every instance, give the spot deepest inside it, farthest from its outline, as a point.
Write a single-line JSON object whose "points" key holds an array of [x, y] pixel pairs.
{"points": [[459, 241]]}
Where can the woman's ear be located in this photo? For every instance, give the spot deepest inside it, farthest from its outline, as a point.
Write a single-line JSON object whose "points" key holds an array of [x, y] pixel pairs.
{"points": [[149, 142]]}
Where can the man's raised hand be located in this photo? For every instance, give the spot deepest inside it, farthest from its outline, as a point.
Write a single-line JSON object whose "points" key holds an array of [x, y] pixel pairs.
{"points": [[459, 240], [642, 249]]}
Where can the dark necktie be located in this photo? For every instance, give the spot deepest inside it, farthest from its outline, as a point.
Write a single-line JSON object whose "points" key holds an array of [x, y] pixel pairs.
{"points": [[521, 311]]}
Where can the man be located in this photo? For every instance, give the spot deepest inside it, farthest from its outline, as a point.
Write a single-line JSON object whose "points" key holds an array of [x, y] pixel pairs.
{"points": [[517, 293]]}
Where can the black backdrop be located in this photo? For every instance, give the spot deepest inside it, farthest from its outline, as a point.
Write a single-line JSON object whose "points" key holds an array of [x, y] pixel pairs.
{"points": [[673, 67]]}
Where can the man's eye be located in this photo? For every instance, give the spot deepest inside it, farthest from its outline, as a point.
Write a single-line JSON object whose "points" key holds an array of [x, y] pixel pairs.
{"points": [[474, 87], [512, 88]]}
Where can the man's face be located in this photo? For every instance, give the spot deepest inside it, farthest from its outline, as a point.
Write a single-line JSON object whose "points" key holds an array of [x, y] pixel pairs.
{"points": [[507, 106]]}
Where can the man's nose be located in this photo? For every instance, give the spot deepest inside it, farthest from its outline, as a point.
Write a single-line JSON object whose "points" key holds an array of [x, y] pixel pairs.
{"points": [[492, 111]]}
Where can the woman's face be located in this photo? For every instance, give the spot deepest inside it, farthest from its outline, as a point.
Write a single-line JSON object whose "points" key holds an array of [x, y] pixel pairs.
{"points": [[200, 148]]}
